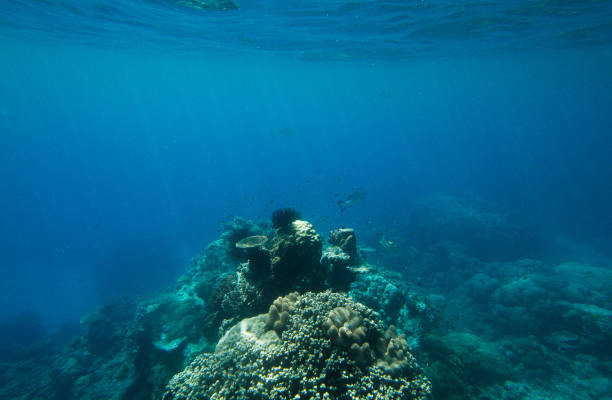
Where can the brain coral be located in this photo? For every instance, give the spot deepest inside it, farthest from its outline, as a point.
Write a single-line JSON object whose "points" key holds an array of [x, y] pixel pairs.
{"points": [[253, 362]]}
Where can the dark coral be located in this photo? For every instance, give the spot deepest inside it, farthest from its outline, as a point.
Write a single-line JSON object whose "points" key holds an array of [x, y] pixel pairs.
{"points": [[291, 263], [337, 263], [338, 257], [295, 258], [283, 217], [258, 266], [236, 230], [345, 239]]}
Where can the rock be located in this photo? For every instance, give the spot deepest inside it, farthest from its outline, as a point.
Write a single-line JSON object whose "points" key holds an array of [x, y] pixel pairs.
{"points": [[478, 357], [295, 259], [337, 262], [345, 239]]}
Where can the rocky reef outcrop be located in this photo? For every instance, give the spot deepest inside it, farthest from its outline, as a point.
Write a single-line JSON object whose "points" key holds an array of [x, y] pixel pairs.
{"points": [[309, 359], [289, 261], [339, 257], [130, 349]]}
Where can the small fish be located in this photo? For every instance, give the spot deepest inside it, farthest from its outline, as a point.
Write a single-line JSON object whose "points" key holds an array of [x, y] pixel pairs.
{"points": [[351, 200], [387, 244]]}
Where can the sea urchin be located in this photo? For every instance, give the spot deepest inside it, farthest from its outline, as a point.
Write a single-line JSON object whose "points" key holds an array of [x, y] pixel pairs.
{"points": [[283, 217]]}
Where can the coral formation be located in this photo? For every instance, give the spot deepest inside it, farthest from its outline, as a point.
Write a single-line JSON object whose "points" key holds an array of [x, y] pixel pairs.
{"points": [[236, 230], [546, 322], [395, 352], [258, 257], [295, 257], [278, 314], [344, 327], [252, 361], [130, 350], [252, 242], [337, 263], [397, 303], [290, 263], [335, 257], [345, 239]]}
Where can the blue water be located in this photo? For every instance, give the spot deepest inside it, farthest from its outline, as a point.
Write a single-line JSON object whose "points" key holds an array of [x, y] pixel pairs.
{"points": [[130, 130]]}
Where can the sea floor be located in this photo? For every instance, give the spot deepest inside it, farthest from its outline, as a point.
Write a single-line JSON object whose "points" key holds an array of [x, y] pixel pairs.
{"points": [[478, 328]]}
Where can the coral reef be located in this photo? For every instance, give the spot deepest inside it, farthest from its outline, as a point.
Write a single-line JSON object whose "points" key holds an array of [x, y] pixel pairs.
{"points": [[500, 330], [344, 326], [290, 263], [233, 232], [338, 257], [395, 353], [337, 263], [345, 239], [278, 314], [395, 300], [251, 242], [252, 361], [130, 349], [524, 322], [484, 231], [295, 259], [258, 257]]}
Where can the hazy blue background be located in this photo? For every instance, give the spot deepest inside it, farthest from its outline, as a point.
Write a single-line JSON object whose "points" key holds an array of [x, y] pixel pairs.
{"points": [[118, 163]]}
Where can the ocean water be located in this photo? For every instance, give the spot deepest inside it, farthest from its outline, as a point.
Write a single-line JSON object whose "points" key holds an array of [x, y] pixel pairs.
{"points": [[130, 131]]}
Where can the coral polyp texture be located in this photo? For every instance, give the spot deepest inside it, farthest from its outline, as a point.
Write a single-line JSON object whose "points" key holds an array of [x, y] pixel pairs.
{"points": [[345, 328], [278, 315], [252, 361]]}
